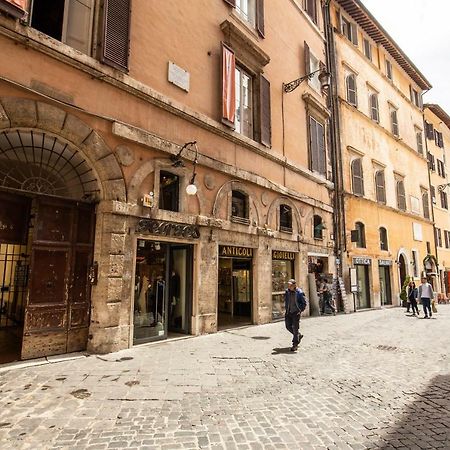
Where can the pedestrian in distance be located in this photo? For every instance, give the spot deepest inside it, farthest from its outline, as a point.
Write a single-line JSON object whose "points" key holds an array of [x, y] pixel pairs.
{"points": [[412, 297], [295, 304], [327, 297], [426, 294]]}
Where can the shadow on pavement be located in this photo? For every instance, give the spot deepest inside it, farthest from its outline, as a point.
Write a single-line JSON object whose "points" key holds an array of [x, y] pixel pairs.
{"points": [[426, 422], [281, 350]]}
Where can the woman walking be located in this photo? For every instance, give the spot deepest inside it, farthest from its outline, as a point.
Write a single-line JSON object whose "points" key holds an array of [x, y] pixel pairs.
{"points": [[412, 297]]}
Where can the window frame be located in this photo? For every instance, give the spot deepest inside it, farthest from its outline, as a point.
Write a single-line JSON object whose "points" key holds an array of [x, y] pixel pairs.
{"points": [[361, 228], [374, 108], [357, 178], [379, 187], [389, 69], [65, 24], [310, 7], [367, 47], [419, 139], [250, 18], [393, 114], [287, 227], [320, 167], [425, 204], [240, 73], [349, 91], [401, 195], [384, 244], [238, 195], [318, 232], [175, 201]]}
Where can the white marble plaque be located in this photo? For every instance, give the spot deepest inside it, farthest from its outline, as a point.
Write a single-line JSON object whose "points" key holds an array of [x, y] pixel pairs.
{"points": [[178, 76]]}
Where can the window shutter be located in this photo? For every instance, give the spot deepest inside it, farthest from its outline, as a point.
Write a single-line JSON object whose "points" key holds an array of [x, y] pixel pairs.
{"points": [[322, 155], [116, 33], [228, 86], [394, 122], [429, 130], [307, 56], [15, 8], [374, 107], [425, 204], [354, 29], [231, 2], [440, 140], [78, 29], [311, 9], [313, 144], [401, 199], [351, 89], [380, 187], [357, 175], [266, 130], [260, 17], [411, 94]]}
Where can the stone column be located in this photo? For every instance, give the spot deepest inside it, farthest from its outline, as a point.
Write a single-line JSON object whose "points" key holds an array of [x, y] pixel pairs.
{"points": [[111, 297]]}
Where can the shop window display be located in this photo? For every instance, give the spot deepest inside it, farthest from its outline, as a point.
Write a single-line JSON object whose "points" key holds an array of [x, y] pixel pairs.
{"points": [[282, 271]]}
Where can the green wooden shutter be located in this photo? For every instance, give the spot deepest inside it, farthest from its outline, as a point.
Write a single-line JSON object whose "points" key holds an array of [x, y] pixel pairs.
{"points": [[265, 112]]}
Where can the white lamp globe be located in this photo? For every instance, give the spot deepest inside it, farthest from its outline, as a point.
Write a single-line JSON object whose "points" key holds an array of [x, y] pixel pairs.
{"points": [[191, 189]]}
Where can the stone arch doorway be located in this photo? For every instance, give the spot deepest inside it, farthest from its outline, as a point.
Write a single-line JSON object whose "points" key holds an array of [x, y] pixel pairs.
{"points": [[47, 210]]}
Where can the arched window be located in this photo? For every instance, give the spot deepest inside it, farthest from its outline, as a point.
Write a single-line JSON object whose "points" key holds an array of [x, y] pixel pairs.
{"points": [[383, 239], [374, 112], [239, 205], [350, 83], [285, 218], [380, 186], [401, 197], [361, 229], [319, 226], [425, 205], [357, 177], [169, 186]]}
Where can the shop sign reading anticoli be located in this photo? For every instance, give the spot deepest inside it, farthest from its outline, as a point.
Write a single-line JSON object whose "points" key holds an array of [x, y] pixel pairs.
{"points": [[235, 252], [280, 254]]}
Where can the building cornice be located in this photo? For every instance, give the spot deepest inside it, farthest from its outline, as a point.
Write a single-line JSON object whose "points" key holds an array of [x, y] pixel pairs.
{"points": [[373, 28]]}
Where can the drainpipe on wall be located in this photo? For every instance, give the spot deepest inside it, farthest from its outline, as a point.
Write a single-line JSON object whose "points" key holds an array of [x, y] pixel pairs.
{"points": [[335, 143], [432, 204]]}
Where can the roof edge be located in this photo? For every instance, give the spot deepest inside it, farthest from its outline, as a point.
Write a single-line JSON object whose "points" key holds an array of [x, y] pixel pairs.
{"points": [[439, 112], [401, 58]]}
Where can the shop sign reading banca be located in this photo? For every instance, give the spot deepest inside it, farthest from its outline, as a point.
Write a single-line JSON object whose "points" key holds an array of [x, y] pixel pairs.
{"points": [[235, 252], [163, 228]]}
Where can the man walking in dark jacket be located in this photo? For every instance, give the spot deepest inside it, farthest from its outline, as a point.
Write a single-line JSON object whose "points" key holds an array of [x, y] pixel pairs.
{"points": [[295, 304]]}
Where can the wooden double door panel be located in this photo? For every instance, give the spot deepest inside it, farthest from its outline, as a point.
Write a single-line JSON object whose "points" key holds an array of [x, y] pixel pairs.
{"points": [[57, 311]]}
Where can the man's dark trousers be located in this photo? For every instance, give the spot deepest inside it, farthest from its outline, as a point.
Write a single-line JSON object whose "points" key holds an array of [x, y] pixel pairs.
{"points": [[292, 321], [426, 303]]}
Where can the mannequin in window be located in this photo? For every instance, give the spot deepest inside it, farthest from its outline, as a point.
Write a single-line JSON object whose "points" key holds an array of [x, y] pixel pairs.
{"points": [[174, 294]]}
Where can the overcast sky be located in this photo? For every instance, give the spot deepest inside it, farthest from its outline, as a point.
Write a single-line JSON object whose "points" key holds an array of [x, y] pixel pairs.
{"points": [[422, 30]]}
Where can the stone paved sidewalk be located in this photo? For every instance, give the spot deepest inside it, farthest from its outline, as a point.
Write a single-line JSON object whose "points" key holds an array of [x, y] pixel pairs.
{"points": [[377, 379]]}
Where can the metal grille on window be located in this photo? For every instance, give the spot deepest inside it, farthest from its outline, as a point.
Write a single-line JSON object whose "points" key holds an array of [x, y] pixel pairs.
{"points": [[37, 162]]}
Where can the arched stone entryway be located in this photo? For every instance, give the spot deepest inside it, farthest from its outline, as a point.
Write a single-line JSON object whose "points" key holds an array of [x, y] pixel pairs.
{"points": [[54, 171]]}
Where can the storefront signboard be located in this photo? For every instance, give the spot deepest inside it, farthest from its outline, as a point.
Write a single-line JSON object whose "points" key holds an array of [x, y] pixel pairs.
{"points": [[362, 261], [163, 228], [385, 262], [282, 255], [229, 251]]}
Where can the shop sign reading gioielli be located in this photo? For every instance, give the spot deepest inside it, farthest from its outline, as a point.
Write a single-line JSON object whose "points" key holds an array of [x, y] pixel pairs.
{"points": [[282, 255], [229, 251], [163, 228]]}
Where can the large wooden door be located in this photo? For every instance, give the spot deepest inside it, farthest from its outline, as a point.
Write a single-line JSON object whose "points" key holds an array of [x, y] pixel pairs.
{"points": [[58, 304]]}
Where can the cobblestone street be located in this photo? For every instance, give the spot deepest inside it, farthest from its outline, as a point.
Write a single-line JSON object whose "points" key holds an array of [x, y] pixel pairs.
{"points": [[376, 379]]}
